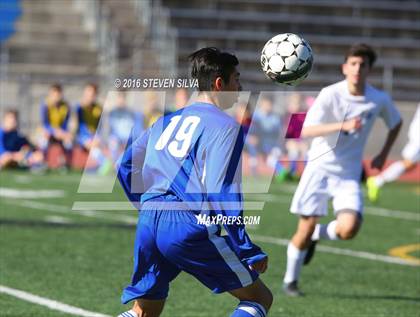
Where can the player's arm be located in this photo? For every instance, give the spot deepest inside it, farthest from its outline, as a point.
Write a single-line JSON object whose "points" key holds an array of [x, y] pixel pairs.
{"points": [[223, 186], [393, 120], [45, 120], [130, 167], [320, 121], [329, 128]]}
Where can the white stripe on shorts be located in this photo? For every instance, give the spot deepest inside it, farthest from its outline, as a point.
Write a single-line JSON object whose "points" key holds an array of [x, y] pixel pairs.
{"points": [[230, 258], [250, 310]]}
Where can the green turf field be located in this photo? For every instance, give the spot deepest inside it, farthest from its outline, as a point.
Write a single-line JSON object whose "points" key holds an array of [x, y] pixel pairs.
{"points": [[83, 258]]}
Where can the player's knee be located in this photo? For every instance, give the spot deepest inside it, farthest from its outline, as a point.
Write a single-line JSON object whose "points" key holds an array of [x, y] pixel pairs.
{"points": [[409, 165], [347, 233]]}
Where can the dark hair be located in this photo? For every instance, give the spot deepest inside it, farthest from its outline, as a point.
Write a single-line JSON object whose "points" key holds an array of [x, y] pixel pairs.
{"points": [[56, 86], [13, 112], [209, 63], [93, 86], [362, 50]]}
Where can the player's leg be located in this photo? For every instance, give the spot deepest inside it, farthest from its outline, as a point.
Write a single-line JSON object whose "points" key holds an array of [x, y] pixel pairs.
{"points": [[296, 252], [202, 252], [348, 207], [254, 300], [348, 224], [410, 154], [152, 272], [310, 201], [145, 308]]}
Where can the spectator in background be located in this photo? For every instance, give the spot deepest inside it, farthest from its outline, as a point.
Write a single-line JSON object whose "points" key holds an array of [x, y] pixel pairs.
{"points": [[152, 108], [181, 98], [88, 115], [264, 137], [15, 149], [121, 121], [55, 115]]}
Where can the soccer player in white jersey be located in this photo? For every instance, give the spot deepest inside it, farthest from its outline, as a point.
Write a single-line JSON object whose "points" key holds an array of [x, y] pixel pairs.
{"points": [[410, 154], [339, 123]]}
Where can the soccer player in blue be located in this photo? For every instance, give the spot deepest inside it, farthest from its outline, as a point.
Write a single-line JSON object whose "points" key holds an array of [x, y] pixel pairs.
{"points": [[187, 167]]}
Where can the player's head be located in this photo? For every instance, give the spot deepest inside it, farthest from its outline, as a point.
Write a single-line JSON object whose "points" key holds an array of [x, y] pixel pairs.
{"points": [[216, 71], [358, 61], [121, 101], [55, 94], [10, 120], [265, 105], [89, 94]]}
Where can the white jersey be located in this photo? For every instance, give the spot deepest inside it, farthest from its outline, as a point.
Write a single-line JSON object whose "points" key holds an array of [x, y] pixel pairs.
{"points": [[341, 153]]}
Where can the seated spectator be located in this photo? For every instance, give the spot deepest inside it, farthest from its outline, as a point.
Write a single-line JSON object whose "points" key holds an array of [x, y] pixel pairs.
{"points": [[151, 109], [121, 121], [55, 115], [264, 137], [15, 149], [181, 98], [88, 115]]}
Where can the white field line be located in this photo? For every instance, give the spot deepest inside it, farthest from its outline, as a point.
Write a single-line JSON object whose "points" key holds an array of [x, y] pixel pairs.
{"points": [[29, 193], [66, 210], [339, 251], [51, 304]]}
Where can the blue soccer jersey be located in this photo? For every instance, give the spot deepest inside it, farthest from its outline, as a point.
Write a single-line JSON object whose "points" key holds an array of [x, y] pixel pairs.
{"points": [[188, 162]]}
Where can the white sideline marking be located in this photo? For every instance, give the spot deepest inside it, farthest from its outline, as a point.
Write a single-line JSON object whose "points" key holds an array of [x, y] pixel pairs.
{"points": [[327, 249], [65, 210], [51, 304], [399, 214], [25, 193], [58, 219]]}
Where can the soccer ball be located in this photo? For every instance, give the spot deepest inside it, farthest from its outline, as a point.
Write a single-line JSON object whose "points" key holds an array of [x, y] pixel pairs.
{"points": [[287, 59]]}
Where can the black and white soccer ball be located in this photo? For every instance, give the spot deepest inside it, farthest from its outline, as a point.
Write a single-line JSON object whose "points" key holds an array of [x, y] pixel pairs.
{"points": [[287, 59]]}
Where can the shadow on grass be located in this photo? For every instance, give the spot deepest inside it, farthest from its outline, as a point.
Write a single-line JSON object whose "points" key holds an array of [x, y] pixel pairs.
{"points": [[371, 297]]}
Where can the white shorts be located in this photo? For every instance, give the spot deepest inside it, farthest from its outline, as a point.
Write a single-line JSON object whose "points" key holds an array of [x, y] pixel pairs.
{"points": [[317, 187], [411, 150]]}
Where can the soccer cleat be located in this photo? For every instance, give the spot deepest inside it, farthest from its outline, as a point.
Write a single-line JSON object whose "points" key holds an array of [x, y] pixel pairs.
{"points": [[310, 252], [291, 289], [372, 189], [129, 313]]}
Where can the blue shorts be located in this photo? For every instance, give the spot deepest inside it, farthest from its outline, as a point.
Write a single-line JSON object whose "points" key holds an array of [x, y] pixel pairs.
{"points": [[168, 242]]}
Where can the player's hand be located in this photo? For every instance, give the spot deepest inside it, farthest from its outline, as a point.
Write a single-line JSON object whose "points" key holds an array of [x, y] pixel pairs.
{"points": [[260, 266], [378, 162], [352, 124]]}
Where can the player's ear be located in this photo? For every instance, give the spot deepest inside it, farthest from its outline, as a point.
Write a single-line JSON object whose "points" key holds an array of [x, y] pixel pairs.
{"points": [[218, 84]]}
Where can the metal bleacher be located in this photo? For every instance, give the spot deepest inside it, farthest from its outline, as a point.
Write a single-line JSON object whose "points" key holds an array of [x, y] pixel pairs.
{"points": [[243, 26]]}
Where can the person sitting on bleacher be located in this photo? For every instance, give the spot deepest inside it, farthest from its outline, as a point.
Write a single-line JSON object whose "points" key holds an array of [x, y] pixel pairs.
{"points": [[88, 115], [55, 115], [121, 121], [15, 149]]}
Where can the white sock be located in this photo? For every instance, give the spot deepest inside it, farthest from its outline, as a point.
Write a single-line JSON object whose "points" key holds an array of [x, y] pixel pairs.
{"points": [[295, 259], [129, 313], [325, 231], [392, 173]]}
